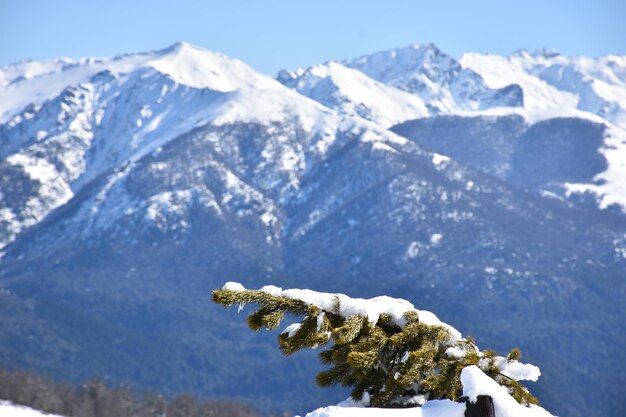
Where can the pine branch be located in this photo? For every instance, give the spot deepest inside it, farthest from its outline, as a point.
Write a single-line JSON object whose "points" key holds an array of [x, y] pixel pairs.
{"points": [[391, 360]]}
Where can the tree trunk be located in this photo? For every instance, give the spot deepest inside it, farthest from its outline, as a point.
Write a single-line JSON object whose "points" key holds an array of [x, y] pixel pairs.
{"points": [[483, 407]]}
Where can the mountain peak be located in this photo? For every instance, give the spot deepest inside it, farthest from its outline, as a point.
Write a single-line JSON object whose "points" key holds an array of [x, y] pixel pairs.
{"points": [[177, 46], [198, 67], [399, 63], [546, 52], [409, 55], [185, 48]]}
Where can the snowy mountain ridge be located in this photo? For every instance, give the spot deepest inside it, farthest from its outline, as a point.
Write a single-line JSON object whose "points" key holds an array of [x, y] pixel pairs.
{"points": [[442, 82], [536, 87], [551, 80], [33, 82], [110, 113], [351, 92]]}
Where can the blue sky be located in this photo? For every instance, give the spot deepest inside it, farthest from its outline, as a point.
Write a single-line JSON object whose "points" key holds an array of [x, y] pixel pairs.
{"points": [[270, 35]]}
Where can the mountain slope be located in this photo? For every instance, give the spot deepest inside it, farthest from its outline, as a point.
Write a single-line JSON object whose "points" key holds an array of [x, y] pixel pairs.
{"points": [[579, 159], [161, 175], [353, 93]]}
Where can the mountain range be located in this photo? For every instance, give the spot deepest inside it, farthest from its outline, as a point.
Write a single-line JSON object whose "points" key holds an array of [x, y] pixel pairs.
{"points": [[490, 190]]}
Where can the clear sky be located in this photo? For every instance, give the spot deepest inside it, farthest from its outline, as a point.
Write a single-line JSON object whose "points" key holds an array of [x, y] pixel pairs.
{"points": [[270, 35]]}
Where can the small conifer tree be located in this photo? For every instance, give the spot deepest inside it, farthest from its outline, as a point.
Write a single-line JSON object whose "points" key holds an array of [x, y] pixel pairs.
{"points": [[389, 356]]}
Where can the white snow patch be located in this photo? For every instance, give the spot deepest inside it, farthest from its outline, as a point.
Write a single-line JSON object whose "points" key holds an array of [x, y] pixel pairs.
{"points": [[292, 329], [349, 408], [383, 147], [440, 159], [435, 238], [455, 352], [270, 289], [436, 408], [517, 370], [8, 409], [476, 383], [53, 192], [610, 187], [233, 286], [413, 250], [161, 205], [268, 218]]}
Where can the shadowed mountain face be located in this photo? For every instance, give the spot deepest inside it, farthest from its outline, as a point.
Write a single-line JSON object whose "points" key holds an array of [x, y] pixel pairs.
{"points": [[116, 280], [555, 150], [542, 157]]}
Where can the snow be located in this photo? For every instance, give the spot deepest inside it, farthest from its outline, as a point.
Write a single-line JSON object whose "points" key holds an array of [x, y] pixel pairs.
{"points": [[8, 409], [476, 383], [233, 286], [292, 329], [169, 209], [439, 159], [413, 250], [554, 81], [185, 64], [435, 238], [380, 146], [104, 115], [353, 93], [609, 186], [437, 408], [52, 191], [437, 78], [371, 308], [455, 352], [93, 116], [499, 71], [518, 371]]}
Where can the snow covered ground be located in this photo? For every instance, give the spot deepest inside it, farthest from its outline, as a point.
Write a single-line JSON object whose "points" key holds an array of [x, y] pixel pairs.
{"points": [[8, 409]]}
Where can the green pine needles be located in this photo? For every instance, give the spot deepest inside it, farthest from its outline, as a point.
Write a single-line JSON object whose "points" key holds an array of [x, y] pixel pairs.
{"points": [[392, 362]]}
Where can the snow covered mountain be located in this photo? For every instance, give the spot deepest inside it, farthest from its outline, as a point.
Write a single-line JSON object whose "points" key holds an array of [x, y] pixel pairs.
{"points": [[442, 82], [132, 186], [550, 80], [571, 87], [353, 93], [96, 117], [534, 89]]}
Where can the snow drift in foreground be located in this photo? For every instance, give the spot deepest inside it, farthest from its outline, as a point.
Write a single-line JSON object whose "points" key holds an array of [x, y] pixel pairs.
{"points": [[475, 383], [8, 409]]}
